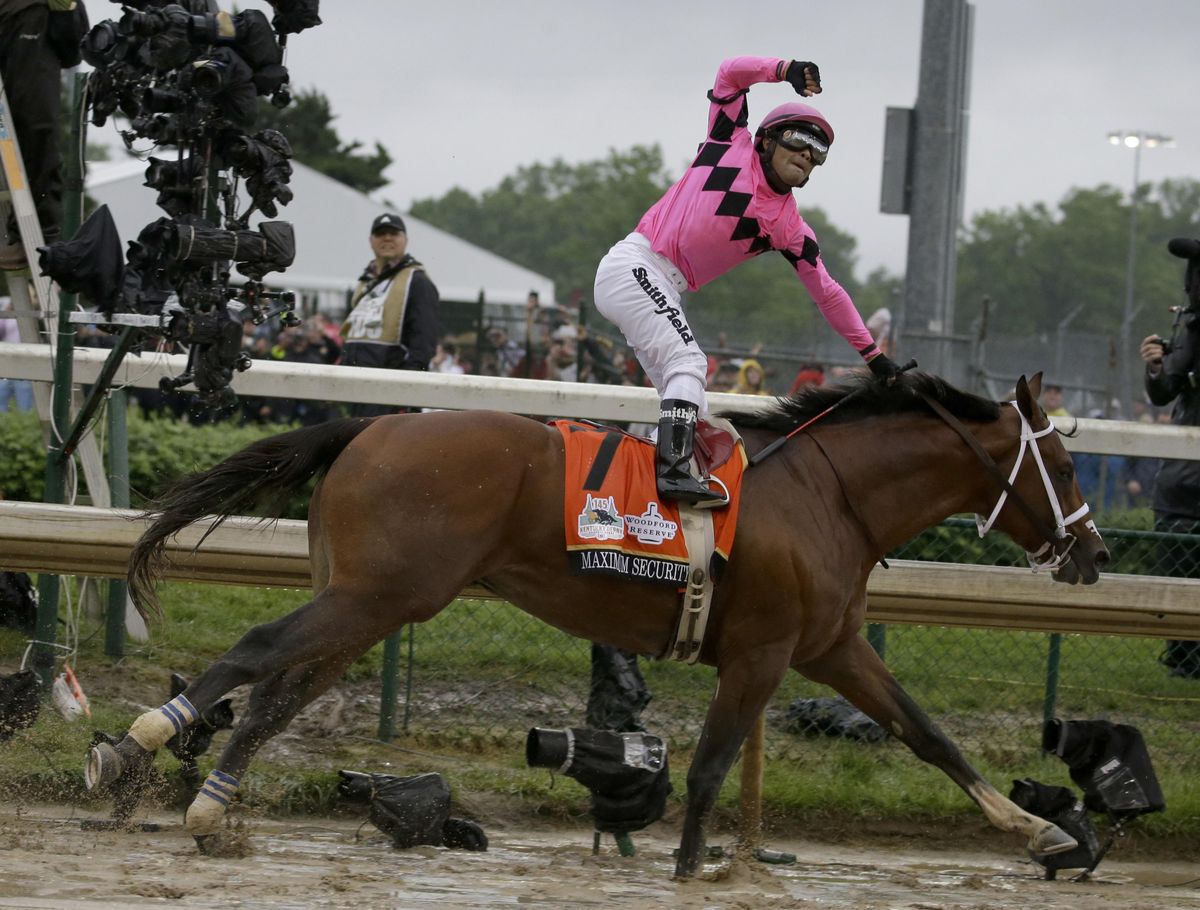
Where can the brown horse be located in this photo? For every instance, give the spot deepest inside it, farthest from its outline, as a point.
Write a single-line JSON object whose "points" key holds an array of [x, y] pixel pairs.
{"points": [[414, 508]]}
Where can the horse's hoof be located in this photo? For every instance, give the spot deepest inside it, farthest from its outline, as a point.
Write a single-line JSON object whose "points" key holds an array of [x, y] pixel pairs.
{"points": [[205, 843], [1051, 840], [104, 766]]}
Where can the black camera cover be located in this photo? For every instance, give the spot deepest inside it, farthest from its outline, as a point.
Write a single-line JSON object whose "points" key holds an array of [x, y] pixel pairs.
{"points": [[89, 264], [292, 16], [1109, 762], [412, 810], [1061, 806], [627, 773]]}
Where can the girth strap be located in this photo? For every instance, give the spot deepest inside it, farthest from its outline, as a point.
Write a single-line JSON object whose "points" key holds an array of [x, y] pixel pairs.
{"points": [[697, 527]]}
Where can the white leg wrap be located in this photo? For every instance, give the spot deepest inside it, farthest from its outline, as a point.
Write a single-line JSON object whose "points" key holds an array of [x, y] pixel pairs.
{"points": [[154, 728], [208, 808]]}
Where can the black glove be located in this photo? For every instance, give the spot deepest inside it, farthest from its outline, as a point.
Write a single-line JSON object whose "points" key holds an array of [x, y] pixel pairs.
{"points": [[795, 75], [883, 369]]}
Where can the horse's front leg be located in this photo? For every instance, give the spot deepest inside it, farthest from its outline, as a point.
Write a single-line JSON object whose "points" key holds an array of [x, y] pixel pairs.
{"points": [[745, 684], [857, 672]]}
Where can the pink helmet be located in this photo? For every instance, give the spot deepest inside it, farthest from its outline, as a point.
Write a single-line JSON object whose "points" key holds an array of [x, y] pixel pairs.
{"points": [[795, 112]]}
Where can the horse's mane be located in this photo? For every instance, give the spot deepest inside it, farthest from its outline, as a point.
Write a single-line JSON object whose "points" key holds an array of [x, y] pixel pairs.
{"points": [[871, 398]]}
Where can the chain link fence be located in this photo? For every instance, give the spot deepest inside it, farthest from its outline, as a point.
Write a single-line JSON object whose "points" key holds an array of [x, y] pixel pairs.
{"points": [[479, 675]]}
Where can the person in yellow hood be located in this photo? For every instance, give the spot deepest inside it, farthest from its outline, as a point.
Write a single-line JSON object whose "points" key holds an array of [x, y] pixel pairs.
{"points": [[751, 379]]}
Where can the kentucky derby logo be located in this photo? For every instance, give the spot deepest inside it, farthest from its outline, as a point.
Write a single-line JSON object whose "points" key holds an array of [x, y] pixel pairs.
{"points": [[650, 527], [600, 519]]}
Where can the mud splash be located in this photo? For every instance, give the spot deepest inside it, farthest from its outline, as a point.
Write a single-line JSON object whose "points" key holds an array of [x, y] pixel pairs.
{"points": [[47, 861]]}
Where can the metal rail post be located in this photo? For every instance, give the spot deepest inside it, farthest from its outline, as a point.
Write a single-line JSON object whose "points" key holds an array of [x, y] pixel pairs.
{"points": [[118, 479], [49, 585]]}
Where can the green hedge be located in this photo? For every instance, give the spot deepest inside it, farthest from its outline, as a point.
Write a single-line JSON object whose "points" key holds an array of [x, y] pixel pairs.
{"points": [[160, 450]]}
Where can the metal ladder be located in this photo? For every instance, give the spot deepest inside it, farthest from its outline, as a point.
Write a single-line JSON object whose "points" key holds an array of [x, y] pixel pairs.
{"points": [[38, 323], [31, 292]]}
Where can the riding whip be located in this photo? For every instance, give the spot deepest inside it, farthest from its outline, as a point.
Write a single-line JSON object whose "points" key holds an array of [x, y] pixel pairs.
{"points": [[764, 452]]}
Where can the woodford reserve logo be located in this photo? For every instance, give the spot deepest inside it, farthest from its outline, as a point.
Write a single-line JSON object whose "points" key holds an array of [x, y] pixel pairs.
{"points": [[651, 527]]}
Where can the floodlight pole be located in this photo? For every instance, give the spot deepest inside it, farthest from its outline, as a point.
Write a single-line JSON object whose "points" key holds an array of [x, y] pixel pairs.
{"points": [[1135, 140]]}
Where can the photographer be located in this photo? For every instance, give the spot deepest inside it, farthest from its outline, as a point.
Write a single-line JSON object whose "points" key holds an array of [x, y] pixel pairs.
{"points": [[1173, 374], [38, 38], [393, 315]]}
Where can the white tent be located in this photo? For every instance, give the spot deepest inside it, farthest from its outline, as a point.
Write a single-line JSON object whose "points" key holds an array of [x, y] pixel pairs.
{"points": [[332, 223]]}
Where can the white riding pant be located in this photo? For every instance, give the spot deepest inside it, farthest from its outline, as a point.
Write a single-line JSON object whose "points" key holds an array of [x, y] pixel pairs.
{"points": [[639, 291]]}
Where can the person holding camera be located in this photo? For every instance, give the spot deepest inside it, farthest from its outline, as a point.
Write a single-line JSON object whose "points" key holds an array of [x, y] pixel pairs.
{"points": [[733, 203], [1173, 375], [393, 319], [38, 39]]}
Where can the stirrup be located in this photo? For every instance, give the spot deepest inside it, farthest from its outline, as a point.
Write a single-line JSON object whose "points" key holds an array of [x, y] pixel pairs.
{"points": [[720, 502], [691, 491]]}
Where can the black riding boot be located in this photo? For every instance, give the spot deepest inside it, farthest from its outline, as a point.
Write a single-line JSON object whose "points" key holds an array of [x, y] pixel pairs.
{"points": [[676, 433]]}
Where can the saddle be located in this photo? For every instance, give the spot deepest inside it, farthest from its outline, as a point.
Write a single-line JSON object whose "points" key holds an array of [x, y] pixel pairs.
{"points": [[616, 524]]}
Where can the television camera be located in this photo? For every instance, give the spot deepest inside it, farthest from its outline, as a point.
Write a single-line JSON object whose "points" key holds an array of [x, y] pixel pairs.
{"points": [[187, 77]]}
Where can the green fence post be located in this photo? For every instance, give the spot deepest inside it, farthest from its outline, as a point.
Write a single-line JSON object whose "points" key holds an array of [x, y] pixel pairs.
{"points": [[387, 689], [1053, 658], [408, 675], [49, 584], [877, 637], [118, 481]]}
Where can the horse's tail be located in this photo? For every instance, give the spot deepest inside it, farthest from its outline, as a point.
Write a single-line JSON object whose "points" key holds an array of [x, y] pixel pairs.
{"points": [[264, 474]]}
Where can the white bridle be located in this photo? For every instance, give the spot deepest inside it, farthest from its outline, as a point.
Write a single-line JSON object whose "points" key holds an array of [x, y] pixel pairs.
{"points": [[1028, 440]]}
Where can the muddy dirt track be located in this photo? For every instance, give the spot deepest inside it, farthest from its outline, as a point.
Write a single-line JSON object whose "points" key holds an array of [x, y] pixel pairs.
{"points": [[48, 861]]}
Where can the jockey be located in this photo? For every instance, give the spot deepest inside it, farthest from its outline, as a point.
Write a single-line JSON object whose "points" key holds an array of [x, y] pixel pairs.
{"points": [[734, 202]]}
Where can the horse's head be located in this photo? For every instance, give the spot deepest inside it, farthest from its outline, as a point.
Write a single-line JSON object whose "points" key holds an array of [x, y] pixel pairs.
{"points": [[1047, 516]]}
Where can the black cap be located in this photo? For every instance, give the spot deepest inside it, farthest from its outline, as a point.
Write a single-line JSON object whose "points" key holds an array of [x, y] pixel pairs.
{"points": [[387, 223]]}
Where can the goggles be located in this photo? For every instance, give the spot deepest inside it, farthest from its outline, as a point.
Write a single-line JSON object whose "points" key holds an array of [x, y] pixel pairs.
{"points": [[798, 138]]}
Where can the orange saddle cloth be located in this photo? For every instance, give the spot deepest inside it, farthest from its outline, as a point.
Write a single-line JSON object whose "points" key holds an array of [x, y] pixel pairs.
{"points": [[615, 522]]}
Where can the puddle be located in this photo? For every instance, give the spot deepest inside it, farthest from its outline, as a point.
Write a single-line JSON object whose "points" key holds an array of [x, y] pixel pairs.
{"points": [[46, 861]]}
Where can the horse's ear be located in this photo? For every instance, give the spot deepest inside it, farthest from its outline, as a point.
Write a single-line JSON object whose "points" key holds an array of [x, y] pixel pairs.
{"points": [[1025, 397], [1035, 386]]}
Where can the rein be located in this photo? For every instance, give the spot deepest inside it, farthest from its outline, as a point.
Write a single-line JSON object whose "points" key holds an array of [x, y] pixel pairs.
{"points": [[1029, 437], [1050, 535], [767, 450]]}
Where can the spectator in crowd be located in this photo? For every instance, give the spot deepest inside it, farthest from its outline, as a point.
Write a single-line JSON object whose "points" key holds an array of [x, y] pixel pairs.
{"points": [[445, 360], [306, 343], [17, 391], [879, 324], [1171, 377], [562, 361], [1052, 401], [734, 202], [38, 38], [1100, 477], [508, 353], [751, 380], [393, 319], [1137, 474], [809, 375], [724, 378], [596, 359]]}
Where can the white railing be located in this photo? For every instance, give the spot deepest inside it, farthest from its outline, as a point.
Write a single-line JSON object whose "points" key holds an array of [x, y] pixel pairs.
{"points": [[523, 396]]}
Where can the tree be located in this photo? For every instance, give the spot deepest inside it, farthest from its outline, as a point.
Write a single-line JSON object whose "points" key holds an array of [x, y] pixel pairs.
{"points": [[557, 219], [1038, 263], [308, 124]]}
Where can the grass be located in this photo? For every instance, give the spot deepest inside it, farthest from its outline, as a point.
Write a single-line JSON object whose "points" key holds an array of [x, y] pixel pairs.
{"points": [[483, 673]]}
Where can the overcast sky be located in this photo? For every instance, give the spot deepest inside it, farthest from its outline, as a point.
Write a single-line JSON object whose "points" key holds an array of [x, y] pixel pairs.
{"points": [[462, 93]]}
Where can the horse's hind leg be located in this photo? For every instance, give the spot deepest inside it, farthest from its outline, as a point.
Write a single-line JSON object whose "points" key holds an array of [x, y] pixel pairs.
{"points": [[273, 704], [744, 686], [332, 623], [857, 672]]}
